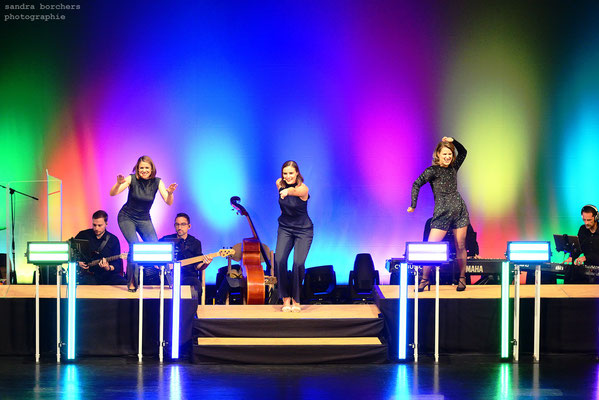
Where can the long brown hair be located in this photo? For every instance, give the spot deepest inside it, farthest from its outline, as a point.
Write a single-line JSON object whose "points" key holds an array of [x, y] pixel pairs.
{"points": [[299, 180], [440, 147], [148, 160]]}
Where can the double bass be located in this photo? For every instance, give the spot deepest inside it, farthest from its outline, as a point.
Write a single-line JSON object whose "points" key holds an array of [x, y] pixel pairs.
{"points": [[250, 260]]}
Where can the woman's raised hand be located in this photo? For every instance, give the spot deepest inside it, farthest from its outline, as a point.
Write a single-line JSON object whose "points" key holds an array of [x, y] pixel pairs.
{"points": [[447, 139], [171, 188], [120, 179], [410, 209]]}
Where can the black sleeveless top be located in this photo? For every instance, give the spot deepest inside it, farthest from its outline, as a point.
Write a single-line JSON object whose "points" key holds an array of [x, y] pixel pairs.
{"points": [[294, 212], [141, 197]]}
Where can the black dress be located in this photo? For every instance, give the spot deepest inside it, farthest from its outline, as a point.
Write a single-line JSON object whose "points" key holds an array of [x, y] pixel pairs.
{"points": [[450, 210]]}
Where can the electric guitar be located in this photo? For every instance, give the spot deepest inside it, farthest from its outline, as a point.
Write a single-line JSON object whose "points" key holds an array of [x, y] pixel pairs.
{"points": [[200, 259], [95, 263]]}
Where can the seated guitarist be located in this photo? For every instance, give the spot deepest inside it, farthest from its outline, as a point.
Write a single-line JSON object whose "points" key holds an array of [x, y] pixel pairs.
{"points": [[187, 246], [102, 244]]}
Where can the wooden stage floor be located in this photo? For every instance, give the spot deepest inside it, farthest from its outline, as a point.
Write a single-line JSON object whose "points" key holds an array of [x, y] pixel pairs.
{"points": [[320, 311], [89, 292], [494, 292]]}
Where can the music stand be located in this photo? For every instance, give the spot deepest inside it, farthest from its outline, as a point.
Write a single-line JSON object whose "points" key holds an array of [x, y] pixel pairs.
{"points": [[79, 250], [568, 244]]}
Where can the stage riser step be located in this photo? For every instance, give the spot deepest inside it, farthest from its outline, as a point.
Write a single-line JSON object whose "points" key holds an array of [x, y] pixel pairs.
{"points": [[279, 354], [288, 327]]}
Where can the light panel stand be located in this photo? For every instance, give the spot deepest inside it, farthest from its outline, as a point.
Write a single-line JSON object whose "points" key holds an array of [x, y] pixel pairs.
{"points": [[516, 341], [37, 313], [403, 310], [437, 280], [72, 307], [141, 314], [537, 322], [58, 298], [161, 325], [505, 309], [176, 302], [415, 314]]}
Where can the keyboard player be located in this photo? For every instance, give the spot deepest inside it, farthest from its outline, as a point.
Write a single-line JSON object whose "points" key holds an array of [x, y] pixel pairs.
{"points": [[589, 245]]}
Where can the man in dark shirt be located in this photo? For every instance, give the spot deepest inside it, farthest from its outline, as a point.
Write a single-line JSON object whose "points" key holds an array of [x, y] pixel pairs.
{"points": [[102, 245], [588, 237], [187, 246]]}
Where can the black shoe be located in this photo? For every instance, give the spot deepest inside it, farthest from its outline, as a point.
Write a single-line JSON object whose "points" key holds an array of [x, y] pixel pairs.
{"points": [[461, 284], [131, 288], [423, 285]]}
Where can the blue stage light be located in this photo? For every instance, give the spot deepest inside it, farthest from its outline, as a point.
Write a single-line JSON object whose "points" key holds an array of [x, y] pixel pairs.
{"points": [[176, 299], [403, 310], [528, 252], [427, 252], [152, 252], [72, 300]]}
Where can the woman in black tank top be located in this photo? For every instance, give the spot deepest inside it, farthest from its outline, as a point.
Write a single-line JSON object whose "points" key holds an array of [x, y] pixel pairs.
{"points": [[295, 232], [134, 217]]}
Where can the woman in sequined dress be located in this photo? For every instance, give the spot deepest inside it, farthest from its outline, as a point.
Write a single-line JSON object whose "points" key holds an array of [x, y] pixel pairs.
{"points": [[450, 210]]}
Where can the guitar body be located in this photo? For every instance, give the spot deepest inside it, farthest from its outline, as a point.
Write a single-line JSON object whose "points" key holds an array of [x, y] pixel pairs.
{"points": [[253, 272]]}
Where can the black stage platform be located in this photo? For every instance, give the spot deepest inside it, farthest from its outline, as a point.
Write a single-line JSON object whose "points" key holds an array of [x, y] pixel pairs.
{"points": [[107, 320], [469, 324], [469, 321]]}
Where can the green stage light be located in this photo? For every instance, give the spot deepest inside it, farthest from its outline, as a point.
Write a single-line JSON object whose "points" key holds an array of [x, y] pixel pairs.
{"points": [[47, 253]]}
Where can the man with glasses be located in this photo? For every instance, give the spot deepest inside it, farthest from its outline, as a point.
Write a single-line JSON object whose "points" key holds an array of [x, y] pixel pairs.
{"points": [[187, 246]]}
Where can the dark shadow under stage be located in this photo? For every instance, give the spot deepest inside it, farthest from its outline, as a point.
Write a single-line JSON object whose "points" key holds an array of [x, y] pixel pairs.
{"points": [[106, 320], [107, 325], [470, 321]]}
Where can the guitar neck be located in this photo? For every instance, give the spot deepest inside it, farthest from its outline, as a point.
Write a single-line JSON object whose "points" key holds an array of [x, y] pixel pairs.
{"points": [[198, 259], [108, 259]]}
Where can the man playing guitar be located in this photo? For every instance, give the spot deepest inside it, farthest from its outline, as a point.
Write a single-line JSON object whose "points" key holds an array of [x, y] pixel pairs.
{"points": [[103, 265], [187, 246]]}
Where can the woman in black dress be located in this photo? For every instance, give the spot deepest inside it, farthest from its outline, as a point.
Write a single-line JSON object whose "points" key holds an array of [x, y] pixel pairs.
{"points": [[450, 210], [295, 232], [134, 216]]}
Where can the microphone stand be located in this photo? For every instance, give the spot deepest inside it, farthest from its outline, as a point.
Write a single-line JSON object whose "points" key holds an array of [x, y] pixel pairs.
{"points": [[13, 272]]}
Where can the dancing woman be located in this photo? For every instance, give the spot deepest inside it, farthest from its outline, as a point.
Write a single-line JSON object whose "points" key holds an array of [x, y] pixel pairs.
{"points": [[134, 216], [295, 231], [450, 210]]}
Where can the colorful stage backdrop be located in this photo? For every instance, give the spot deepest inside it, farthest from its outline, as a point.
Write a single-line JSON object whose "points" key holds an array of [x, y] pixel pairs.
{"points": [[220, 94]]}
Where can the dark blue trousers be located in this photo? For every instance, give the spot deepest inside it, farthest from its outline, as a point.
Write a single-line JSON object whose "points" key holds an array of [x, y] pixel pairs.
{"points": [[130, 227], [299, 240]]}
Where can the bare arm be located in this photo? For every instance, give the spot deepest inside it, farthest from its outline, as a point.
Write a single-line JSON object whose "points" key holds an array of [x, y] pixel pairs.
{"points": [[122, 183], [167, 192], [300, 191]]}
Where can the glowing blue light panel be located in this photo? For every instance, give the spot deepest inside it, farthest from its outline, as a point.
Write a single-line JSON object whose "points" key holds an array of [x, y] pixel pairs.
{"points": [[427, 252], [72, 297], [176, 310], [47, 253], [528, 252], [153, 252], [403, 310]]}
